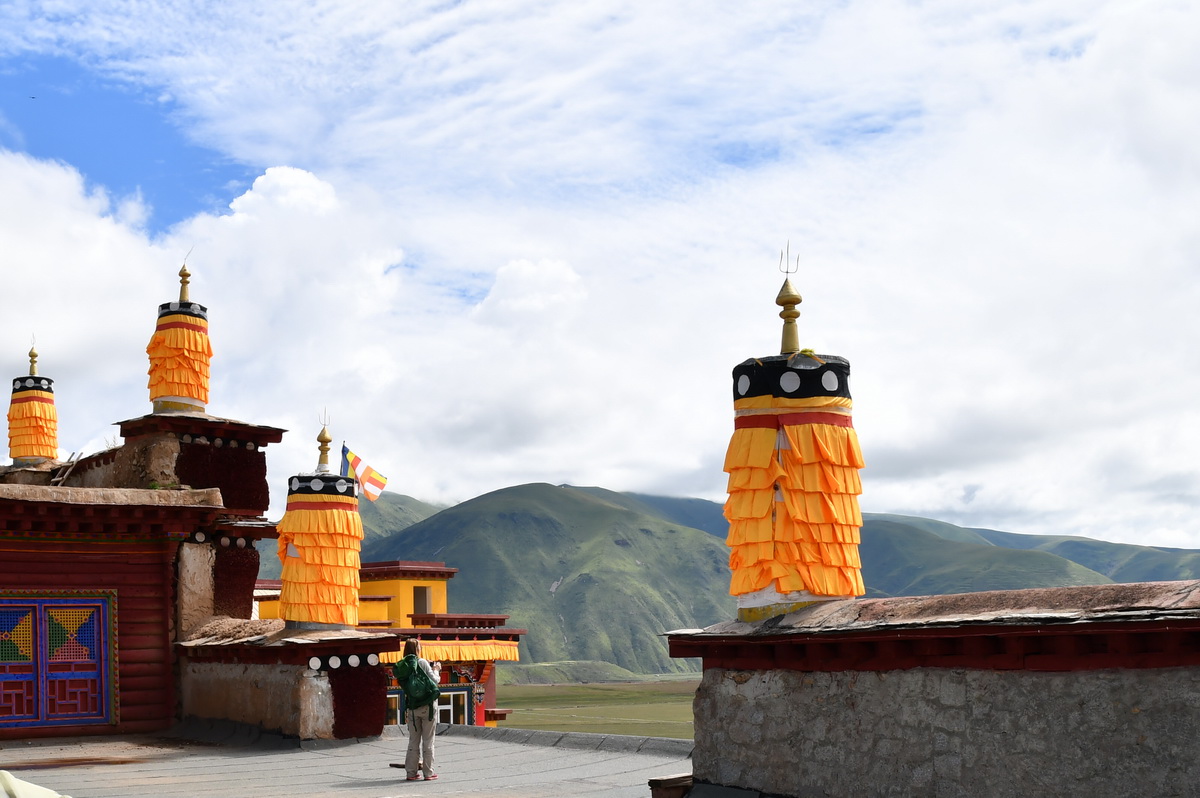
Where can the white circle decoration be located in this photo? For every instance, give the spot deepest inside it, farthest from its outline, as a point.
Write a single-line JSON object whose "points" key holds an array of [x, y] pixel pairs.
{"points": [[295, 484], [45, 383], [173, 306], [743, 384], [829, 381], [225, 542], [316, 484], [241, 543], [29, 383], [353, 660], [335, 662], [372, 659], [341, 486], [201, 537], [314, 663], [789, 381]]}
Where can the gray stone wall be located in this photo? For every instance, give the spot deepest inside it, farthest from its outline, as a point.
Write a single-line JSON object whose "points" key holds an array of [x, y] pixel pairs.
{"points": [[290, 699], [951, 733]]}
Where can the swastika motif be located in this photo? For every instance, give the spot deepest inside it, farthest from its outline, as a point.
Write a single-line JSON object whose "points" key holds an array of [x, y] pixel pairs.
{"points": [[18, 699]]}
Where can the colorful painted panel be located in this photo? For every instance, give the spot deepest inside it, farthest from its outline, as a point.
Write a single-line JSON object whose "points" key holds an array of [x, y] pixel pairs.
{"points": [[18, 685], [55, 661]]}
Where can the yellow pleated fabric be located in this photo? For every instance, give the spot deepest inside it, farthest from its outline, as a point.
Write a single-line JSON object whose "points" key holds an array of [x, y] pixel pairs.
{"points": [[793, 498], [461, 651], [320, 585], [180, 353], [33, 425]]}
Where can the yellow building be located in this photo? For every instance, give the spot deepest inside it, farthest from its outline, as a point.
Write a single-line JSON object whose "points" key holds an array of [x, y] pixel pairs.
{"points": [[409, 599]]}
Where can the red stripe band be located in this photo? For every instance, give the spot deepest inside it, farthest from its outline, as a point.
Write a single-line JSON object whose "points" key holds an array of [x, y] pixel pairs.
{"points": [[346, 506], [791, 419], [182, 325], [17, 400]]}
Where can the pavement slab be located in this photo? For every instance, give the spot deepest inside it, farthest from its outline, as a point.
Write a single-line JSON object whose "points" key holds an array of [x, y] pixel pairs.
{"points": [[222, 762]]}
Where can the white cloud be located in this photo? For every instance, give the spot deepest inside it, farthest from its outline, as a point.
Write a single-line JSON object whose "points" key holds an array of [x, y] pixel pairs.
{"points": [[505, 242]]}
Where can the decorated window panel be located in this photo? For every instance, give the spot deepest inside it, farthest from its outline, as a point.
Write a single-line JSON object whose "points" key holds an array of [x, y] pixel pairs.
{"points": [[57, 659]]}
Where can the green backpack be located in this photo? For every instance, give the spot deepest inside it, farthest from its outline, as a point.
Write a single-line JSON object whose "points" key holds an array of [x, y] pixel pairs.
{"points": [[419, 689]]}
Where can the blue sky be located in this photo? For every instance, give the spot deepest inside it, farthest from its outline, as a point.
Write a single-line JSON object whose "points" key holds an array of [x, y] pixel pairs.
{"points": [[504, 242], [120, 137]]}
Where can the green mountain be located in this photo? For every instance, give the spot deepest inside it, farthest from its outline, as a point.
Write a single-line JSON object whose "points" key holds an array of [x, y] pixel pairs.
{"points": [[1121, 562], [905, 560], [392, 512], [589, 577]]}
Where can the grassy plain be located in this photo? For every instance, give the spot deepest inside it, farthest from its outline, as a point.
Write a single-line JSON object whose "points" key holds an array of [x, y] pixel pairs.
{"points": [[643, 709]]}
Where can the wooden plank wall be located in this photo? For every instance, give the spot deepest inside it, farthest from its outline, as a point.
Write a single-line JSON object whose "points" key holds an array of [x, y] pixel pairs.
{"points": [[143, 574]]}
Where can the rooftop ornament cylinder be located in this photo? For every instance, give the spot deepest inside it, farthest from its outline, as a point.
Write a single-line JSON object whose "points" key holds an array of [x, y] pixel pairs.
{"points": [[320, 540], [32, 418], [180, 353], [793, 464]]}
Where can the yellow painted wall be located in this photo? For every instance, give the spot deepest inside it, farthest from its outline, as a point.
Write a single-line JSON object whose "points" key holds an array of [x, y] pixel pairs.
{"points": [[395, 610], [401, 591], [268, 608]]}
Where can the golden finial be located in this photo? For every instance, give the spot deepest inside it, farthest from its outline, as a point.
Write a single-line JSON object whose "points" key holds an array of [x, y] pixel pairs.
{"points": [[788, 299], [33, 356], [323, 441], [184, 279]]}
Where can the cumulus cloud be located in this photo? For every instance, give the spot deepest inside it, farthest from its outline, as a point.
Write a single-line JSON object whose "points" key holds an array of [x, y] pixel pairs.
{"points": [[512, 242]]}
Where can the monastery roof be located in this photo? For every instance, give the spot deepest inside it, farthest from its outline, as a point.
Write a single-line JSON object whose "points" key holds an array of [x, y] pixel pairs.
{"points": [[182, 422], [205, 497], [1090, 604]]}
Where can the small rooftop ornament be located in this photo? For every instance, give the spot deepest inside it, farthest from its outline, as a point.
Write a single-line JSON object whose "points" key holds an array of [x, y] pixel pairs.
{"points": [[180, 352], [793, 467], [32, 418], [320, 539]]}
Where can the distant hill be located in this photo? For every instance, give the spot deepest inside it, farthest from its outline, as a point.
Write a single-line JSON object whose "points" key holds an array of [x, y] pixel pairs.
{"points": [[591, 578], [905, 560], [392, 512]]}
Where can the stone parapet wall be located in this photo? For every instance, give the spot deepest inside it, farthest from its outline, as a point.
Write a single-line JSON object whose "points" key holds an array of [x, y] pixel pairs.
{"points": [[289, 699], [950, 733]]}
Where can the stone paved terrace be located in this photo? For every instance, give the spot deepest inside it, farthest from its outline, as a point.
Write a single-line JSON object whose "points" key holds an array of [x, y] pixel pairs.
{"points": [[225, 761]]}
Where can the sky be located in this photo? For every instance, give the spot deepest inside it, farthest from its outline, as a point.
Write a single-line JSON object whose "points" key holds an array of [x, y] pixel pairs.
{"points": [[499, 242]]}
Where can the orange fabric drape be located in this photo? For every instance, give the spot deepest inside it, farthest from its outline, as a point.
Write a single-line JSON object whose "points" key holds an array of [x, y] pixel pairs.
{"points": [[461, 651], [180, 353], [320, 582], [793, 498], [33, 425]]}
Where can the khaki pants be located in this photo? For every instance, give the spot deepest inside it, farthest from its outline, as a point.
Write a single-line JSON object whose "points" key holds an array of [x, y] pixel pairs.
{"points": [[420, 742]]}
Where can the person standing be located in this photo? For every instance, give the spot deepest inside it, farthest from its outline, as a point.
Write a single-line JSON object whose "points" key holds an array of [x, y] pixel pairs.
{"points": [[419, 680]]}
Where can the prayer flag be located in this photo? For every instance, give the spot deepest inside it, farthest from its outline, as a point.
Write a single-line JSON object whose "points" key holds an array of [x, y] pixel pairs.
{"points": [[370, 480]]}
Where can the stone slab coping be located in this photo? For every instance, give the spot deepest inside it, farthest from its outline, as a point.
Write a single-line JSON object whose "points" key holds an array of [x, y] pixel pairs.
{"points": [[206, 497], [1140, 601]]}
